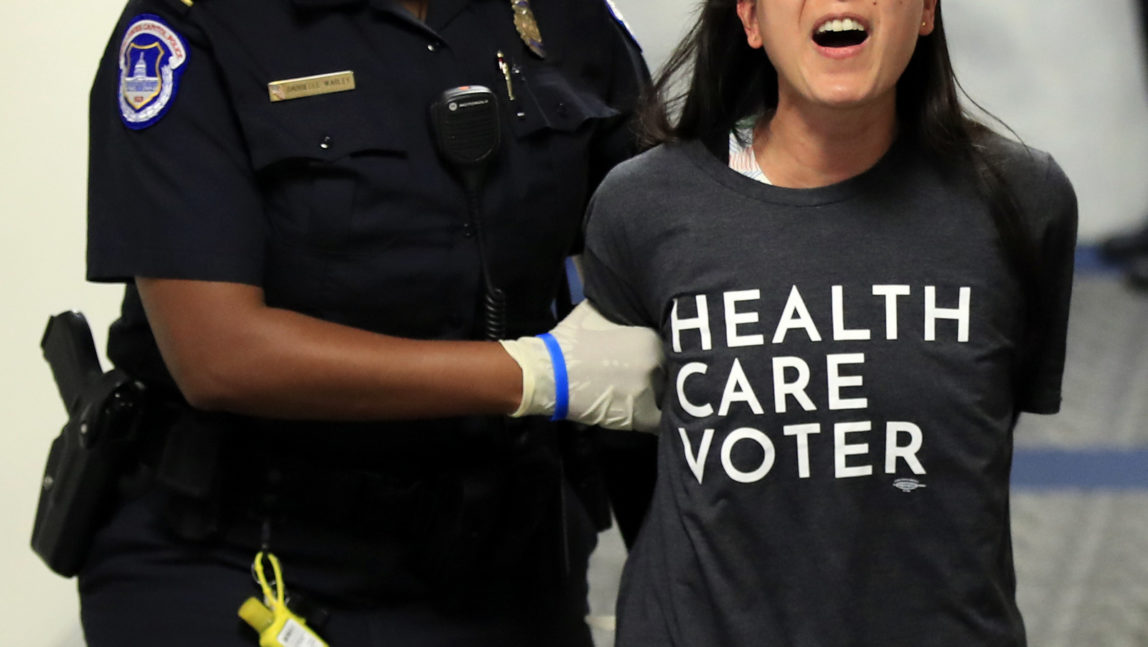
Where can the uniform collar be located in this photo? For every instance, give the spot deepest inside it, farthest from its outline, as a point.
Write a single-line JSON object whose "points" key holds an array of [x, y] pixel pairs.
{"points": [[440, 14], [325, 4]]}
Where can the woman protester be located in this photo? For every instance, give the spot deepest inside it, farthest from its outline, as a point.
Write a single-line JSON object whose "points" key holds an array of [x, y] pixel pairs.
{"points": [[858, 288]]}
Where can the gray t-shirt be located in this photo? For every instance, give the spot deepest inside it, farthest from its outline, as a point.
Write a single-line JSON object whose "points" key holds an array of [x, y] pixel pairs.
{"points": [[844, 370]]}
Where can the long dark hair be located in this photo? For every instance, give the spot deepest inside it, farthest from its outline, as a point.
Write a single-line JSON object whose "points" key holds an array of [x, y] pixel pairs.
{"points": [[728, 80]]}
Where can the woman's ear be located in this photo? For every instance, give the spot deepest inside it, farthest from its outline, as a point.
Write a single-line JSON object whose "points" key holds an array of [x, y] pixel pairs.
{"points": [[928, 17], [747, 11]]}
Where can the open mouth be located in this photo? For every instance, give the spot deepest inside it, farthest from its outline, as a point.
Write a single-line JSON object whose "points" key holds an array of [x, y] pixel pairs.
{"points": [[841, 32]]}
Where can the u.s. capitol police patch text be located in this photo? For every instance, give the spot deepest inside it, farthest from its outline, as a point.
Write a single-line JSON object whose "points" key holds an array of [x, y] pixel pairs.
{"points": [[152, 58]]}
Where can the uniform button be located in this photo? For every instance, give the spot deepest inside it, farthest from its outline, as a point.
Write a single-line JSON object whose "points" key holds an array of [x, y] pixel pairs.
{"points": [[562, 109], [326, 142], [467, 230], [433, 47]]}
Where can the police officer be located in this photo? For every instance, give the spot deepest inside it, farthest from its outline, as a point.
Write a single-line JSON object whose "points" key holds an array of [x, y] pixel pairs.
{"points": [[304, 271]]}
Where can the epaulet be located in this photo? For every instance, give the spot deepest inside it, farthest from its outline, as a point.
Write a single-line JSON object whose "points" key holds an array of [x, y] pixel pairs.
{"points": [[617, 13]]}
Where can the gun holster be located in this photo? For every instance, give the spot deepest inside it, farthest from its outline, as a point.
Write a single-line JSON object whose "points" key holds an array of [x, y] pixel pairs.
{"points": [[84, 466]]}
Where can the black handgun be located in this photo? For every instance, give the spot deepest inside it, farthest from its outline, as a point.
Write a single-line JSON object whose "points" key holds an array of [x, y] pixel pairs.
{"points": [[87, 458], [71, 354]]}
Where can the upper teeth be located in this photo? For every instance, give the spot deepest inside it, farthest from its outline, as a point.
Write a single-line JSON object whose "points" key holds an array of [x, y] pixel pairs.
{"points": [[845, 24]]}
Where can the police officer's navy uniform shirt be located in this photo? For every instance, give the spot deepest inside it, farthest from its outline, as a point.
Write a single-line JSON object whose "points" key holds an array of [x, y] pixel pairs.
{"points": [[337, 205]]}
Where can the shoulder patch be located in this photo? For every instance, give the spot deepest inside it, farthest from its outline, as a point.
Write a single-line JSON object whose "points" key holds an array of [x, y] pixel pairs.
{"points": [[622, 21], [152, 58]]}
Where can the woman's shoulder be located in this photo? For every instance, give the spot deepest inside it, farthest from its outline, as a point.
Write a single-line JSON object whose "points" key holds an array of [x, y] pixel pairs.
{"points": [[640, 191], [1036, 181], [650, 163], [1025, 167], [651, 170]]}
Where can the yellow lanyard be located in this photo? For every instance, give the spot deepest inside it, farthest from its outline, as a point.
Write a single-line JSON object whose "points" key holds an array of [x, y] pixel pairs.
{"points": [[277, 625], [279, 595]]}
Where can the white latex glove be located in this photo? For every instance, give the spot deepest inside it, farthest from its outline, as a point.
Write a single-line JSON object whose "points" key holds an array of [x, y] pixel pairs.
{"points": [[611, 370]]}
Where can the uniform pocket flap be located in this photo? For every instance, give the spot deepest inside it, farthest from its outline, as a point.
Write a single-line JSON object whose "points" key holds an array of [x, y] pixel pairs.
{"points": [[557, 104], [324, 128]]}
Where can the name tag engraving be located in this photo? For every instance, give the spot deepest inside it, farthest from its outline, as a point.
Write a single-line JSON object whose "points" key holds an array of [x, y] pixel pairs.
{"points": [[309, 86]]}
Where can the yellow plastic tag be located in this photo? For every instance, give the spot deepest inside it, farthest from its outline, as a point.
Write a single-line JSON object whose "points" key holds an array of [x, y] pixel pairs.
{"points": [[277, 625]]}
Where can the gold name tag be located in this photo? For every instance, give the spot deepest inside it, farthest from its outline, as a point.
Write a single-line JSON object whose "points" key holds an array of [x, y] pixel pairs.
{"points": [[309, 86]]}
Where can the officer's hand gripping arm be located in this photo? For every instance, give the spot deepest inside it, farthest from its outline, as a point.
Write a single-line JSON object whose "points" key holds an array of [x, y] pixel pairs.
{"points": [[611, 372]]}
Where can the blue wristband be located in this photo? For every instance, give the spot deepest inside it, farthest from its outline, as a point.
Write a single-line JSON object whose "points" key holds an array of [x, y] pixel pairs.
{"points": [[561, 383]]}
